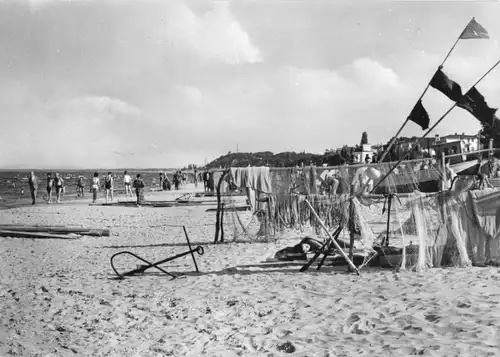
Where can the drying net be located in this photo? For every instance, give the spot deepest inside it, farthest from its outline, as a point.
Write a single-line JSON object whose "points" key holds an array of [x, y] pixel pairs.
{"points": [[404, 223]]}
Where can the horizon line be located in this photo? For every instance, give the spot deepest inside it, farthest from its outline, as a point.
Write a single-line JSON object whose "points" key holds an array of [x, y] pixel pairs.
{"points": [[88, 169]]}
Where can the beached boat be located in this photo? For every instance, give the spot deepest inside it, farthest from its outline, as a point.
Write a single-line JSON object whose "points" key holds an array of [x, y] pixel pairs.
{"points": [[427, 180]]}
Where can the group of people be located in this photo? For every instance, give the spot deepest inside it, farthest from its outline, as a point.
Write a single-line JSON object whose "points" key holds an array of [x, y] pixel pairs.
{"points": [[138, 185], [55, 182], [179, 178]]}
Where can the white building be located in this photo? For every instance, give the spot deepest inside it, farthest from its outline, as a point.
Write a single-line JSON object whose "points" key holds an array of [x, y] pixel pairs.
{"points": [[456, 144], [366, 151]]}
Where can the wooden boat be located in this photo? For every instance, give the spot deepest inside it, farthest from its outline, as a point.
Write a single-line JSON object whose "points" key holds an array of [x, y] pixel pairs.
{"points": [[427, 180]]}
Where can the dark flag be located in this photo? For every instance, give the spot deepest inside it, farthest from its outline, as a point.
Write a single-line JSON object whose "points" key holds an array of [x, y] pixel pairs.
{"points": [[445, 85], [474, 103], [419, 115], [474, 30]]}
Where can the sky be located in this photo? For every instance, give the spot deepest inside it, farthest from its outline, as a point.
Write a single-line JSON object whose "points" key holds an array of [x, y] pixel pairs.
{"points": [[140, 84]]}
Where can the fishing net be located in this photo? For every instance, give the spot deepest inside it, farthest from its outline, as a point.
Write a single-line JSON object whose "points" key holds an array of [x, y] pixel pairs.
{"points": [[406, 222]]}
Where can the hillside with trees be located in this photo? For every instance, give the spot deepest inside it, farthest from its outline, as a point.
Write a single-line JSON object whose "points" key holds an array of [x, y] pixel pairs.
{"points": [[282, 159]]}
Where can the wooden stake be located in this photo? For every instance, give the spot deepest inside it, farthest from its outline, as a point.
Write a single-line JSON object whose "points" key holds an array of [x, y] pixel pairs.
{"points": [[217, 218], [333, 241]]}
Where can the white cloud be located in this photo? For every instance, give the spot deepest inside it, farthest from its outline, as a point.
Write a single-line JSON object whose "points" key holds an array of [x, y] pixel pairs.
{"points": [[216, 34], [93, 109], [82, 131]]}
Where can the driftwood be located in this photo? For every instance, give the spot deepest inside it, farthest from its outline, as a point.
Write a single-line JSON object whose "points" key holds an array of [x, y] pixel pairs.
{"points": [[134, 204], [223, 194], [20, 234], [57, 229], [231, 208]]}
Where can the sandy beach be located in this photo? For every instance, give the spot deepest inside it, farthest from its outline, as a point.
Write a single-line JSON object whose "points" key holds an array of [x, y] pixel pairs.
{"points": [[59, 297]]}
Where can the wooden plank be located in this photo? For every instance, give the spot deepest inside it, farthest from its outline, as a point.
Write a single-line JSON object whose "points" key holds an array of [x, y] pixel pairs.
{"points": [[58, 230], [235, 208], [18, 234]]}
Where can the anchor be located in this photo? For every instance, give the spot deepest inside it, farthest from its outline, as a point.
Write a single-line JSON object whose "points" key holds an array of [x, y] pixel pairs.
{"points": [[142, 268]]}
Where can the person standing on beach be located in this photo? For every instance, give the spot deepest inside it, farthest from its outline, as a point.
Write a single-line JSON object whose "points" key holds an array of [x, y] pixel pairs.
{"points": [[96, 186], [161, 181], [80, 186], [139, 188], [177, 179], [195, 173], [50, 184], [33, 183], [59, 184], [166, 183], [127, 182], [108, 185], [206, 177]]}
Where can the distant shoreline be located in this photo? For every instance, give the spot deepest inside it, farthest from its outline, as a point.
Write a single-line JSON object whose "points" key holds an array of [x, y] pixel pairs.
{"points": [[91, 169]]}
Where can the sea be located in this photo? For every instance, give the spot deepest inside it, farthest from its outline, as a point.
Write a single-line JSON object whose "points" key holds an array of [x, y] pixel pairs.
{"points": [[14, 189]]}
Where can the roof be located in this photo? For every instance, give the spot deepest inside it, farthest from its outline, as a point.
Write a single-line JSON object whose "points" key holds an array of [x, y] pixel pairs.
{"points": [[458, 136], [446, 143]]}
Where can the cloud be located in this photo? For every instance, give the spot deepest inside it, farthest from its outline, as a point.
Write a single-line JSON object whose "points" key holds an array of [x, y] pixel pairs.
{"points": [[214, 34], [95, 109], [161, 83], [81, 131], [312, 108]]}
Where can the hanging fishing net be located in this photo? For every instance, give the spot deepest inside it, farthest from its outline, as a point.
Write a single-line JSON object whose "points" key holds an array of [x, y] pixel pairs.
{"points": [[406, 222]]}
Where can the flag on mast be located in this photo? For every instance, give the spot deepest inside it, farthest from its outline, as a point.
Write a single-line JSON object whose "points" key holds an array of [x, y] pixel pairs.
{"points": [[474, 30], [474, 103], [445, 85], [419, 116]]}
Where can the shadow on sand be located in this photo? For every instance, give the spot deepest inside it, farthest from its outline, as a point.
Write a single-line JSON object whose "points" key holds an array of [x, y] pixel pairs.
{"points": [[180, 244], [290, 267]]}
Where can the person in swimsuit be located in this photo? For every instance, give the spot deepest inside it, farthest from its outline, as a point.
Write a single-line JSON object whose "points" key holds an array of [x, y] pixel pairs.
{"points": [[50, 184], [80, 186], [139, 188], [127, 182], [33, 183], [96, 186], [108, 186], [59, 184]]}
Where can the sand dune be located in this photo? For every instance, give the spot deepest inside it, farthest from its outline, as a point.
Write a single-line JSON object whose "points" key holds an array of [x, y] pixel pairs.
{"points": [[57, 297]]}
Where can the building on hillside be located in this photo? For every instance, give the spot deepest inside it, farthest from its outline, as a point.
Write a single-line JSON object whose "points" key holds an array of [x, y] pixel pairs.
{"points": [[403, 145], [456, 144], [366, 151]]}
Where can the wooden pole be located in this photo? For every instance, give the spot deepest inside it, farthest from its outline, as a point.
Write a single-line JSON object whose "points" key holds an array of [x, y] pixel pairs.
{"points": [[420, 98], [21, 234], [218, 214], [418, 141], [396, 136], [333, 241], [222, 223], [57, 230], [443, 165], [352, 227]]}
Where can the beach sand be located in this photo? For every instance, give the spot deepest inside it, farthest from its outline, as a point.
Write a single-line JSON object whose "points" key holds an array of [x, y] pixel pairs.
{"points": [[59, 298]]}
